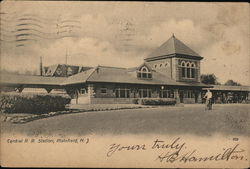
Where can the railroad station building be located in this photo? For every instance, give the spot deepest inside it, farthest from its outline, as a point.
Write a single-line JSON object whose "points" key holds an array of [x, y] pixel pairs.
{"points": [[170, 72]]}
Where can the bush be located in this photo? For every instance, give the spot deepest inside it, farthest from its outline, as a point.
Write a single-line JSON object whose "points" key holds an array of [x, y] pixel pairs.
{"points": [[32, 103], [157, 101], [246, 101]]}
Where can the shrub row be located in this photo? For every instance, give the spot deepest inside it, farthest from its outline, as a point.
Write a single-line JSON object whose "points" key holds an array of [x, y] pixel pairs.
{"points": [[154, 102], [32, 103]]}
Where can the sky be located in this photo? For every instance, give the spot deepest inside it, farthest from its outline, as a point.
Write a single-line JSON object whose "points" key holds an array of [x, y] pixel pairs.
{"points": [[122, 34]]}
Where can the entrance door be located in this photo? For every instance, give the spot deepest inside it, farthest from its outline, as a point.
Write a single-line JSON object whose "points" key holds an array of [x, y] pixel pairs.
{"points": [[181, 96]]}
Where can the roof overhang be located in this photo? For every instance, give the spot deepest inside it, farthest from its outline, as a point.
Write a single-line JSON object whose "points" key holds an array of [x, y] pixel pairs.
{"points": [[229, 88], [173, 55]]}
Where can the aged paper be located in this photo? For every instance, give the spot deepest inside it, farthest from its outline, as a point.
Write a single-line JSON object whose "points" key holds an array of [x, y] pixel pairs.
{"points": [[106, 48]]}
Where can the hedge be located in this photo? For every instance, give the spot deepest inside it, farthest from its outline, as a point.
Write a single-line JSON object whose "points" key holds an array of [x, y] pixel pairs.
{"points": [[32, 103], [154, 101]]}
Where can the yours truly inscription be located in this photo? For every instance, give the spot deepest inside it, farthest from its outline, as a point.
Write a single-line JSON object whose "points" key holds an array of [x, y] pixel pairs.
{"points": [[178, 151]]}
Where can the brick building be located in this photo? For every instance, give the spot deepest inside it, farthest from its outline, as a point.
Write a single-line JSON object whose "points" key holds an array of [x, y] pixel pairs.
{"points": [[170, 72]]}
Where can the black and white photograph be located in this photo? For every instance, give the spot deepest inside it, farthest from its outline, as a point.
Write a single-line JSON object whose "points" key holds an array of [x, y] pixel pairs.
{"points": [[124, 84]]}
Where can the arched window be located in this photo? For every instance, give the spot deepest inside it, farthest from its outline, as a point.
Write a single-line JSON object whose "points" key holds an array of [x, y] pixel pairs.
{"points": [[188, 70], [144, 69], [183, 69], [144, 73], [155, 65], [160, 65], [192, 70]]}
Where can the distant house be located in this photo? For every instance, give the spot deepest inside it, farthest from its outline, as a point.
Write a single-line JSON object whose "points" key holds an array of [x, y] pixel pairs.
{"points": [[170, 72]]}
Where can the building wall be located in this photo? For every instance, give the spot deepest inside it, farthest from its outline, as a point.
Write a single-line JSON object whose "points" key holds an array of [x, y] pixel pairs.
{"points": [[189, 100], [110, 90], [97, 97], [111, 101], [171, 67], [134, 90], [163, 65]]}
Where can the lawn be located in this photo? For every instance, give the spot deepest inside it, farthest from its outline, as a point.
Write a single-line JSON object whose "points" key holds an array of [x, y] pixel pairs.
{"points": [[190, 119]]}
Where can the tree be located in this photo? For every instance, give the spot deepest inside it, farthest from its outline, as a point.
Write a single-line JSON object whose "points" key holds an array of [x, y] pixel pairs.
{"points": [[232, 83], [209, 79]]}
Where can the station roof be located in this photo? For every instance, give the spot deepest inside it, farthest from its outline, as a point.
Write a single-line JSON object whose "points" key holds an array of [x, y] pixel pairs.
{"points": [[173, 46], [230, 88], [13, 79], [99, 74]]}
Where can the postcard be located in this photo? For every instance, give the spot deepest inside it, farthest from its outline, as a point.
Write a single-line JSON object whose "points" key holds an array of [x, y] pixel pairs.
{"points": [[124, 84]]}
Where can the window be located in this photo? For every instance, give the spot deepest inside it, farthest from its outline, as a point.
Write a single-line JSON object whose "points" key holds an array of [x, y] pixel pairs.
{"points": [[122, 93], [187, 69], [139, 75], [144, 73], [183, 69], [166, 64], [155, 65], [145, 93], [192, 70], [189, 94], [82, 91], [160, 65], [167, 94], [103, 90], [144, 69]]}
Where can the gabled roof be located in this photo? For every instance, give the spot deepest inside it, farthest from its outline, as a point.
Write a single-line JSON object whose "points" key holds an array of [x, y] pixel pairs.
{"points": [[51, 69], [79, 77], [144, 64], [172, 47]]}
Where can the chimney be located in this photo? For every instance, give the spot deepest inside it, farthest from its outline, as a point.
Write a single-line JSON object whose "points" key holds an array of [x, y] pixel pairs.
{"points": [[41, 66]]}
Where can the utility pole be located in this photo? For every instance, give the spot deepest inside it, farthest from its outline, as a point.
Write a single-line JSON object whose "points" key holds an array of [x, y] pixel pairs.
{"points": [[66, 60], [41, 66], [66, 56]]}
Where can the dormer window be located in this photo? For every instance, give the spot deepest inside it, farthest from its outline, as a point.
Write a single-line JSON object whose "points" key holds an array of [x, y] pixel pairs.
{"points": [[144, 73], [69, 71]]}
